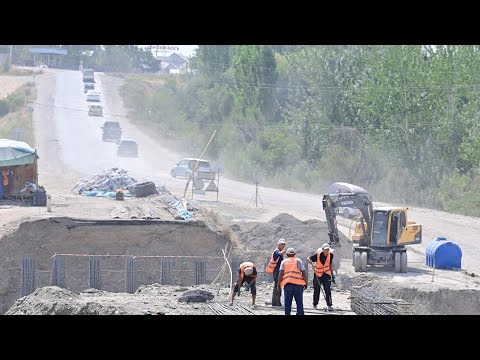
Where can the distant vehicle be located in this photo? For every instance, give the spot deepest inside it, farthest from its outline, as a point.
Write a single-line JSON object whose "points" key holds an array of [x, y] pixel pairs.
{"points": [[111, 131], [339, 187], [95, 110], [88, 86], [93, 95], [184, 167], [128, 148], [43, 66], [88, 75]]}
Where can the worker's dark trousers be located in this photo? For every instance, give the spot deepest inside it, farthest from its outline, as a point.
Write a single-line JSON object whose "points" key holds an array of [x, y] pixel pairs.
{"points": [[326, 281], [293, 291], [277, 291]]}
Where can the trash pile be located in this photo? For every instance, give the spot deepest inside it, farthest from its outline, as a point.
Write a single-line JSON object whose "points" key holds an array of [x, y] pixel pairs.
{"points": [[105, 183]]}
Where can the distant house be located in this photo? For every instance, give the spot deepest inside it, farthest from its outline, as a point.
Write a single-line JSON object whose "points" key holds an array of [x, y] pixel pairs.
{"points": [[173, 64], [53, 57]]}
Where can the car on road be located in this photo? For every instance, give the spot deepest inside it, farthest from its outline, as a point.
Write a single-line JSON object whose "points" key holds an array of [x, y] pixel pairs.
{"points": [[88, 86], [128, 148], [95, 110], [111, 131], [43, 66], [93, 95], [88, 75], [184, 167]]}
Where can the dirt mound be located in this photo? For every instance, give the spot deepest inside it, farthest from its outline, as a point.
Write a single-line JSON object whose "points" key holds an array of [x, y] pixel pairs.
{"points": [[52, 300], [304, 236], [286, 219]]}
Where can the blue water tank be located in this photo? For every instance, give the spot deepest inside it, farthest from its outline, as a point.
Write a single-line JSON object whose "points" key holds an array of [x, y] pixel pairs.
{"points": [[443, 254]]}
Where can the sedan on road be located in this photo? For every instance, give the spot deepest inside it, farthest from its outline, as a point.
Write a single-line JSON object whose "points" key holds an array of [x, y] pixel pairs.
{"points": [[88, 86], [128, 148], [93, 95], [185, 167], [95, 110]]}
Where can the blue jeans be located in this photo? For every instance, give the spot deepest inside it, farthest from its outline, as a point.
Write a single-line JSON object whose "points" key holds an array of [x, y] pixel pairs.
{"points": [[293, 291]]}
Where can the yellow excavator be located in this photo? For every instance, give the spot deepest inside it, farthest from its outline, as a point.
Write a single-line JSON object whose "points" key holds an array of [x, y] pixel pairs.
{"points": [[380, 234]]}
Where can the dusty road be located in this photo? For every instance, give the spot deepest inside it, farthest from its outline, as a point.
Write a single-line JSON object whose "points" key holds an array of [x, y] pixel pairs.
{"points": [[69, 144]]}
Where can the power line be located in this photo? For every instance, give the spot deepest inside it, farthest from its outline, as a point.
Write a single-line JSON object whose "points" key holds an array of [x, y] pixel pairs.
{"points": [[432, 125]]}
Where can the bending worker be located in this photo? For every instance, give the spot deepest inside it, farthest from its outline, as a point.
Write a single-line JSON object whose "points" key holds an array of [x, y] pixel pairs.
{"points": [[273, 267], [323, 274], [246, 273], [293, 279]]}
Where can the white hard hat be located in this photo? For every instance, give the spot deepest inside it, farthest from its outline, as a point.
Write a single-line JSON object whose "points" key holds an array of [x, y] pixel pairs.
{"points": [[248, 271], [325, 246], [281, 241]]}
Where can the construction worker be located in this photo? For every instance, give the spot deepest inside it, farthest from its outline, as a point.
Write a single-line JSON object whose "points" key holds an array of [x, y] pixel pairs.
{"points": [[293, 280], [273, 267], [246, 273], [323, 274]]}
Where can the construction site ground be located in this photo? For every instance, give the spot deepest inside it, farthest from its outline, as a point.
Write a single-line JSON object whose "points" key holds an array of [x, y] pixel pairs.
{"points": [[70, 148]]}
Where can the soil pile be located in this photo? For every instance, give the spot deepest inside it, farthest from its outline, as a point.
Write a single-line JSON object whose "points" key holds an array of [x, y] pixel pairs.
{"points": [[304, 236]]}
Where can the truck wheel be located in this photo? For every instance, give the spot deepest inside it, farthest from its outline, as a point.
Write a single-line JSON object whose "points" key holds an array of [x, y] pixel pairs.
{"points": [[397, 262], [363, 261], [357, 261], [403, 262]]}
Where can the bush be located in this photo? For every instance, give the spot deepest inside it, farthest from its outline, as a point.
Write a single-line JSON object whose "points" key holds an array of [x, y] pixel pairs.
{"points": [[461, 193]]}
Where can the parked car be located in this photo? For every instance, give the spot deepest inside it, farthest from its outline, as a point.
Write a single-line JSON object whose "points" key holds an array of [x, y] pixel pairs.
{"points": [[128, 148], [95, 110], [184, 167], [111, 131], [88, 86], [43, 66], [93, 95], [339, 187]]}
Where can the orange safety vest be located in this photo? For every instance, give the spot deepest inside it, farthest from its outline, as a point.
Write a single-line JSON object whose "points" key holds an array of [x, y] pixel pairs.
{"points": [[272, 264], [291, 273], [325, 268], [243, 266]]}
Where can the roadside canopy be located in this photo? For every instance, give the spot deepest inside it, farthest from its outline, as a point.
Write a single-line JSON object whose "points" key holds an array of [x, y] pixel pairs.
{"points": [[14, 153]]}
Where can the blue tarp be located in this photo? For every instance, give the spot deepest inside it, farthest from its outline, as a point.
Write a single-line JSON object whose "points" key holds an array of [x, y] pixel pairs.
{"points": [[185, 214], [99, 193]]}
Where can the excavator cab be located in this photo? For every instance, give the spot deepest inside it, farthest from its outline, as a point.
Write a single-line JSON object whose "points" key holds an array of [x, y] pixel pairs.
{"points": [[390, 229]]}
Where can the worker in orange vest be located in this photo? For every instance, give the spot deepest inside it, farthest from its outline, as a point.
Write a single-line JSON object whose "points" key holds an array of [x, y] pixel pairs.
{"points": [[273, 268], [323, 274], [293, 279], [246, 273]]}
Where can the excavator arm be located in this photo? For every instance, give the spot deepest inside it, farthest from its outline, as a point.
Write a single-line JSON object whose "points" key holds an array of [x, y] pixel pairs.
{"points": [[332, 202]]}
